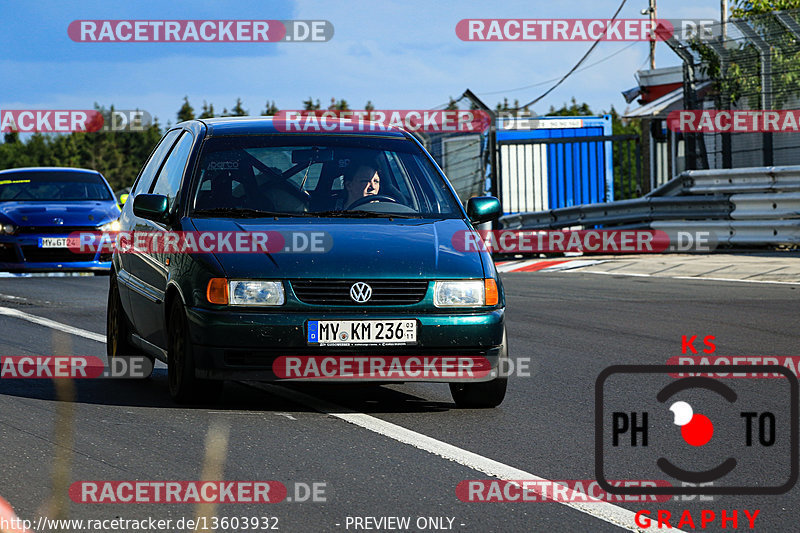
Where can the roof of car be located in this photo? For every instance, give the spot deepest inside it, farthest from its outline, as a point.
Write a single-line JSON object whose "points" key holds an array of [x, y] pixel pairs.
{"points": [[303, 125], [49, 169]]}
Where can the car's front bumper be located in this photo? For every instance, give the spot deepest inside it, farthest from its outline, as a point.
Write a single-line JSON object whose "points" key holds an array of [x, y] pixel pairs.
{"points": [[21, 253], [246, 345]]}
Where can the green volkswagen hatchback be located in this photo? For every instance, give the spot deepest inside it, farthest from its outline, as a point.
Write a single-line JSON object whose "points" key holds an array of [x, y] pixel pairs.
{"points": [[258, 253]]}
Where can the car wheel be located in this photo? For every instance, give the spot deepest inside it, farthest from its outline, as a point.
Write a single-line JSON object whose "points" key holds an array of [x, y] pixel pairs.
{"points": [[184, 386], [487, 393], [118, 328]]}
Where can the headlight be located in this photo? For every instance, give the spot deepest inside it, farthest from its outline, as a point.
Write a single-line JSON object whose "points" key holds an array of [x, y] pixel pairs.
{"points": [[466, 293], [7, 229], [245, 292], [111, 226]]}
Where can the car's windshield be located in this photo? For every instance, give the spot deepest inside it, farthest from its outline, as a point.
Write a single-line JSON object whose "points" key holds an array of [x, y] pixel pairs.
{"points": [[52, 186], [298, 175]]}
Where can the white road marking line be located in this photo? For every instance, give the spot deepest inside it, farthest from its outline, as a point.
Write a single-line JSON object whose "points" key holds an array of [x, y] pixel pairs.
{"points": [[7, 311], [12, 297], [577, 263], [743, 280], [614, 273], [602, 510]]}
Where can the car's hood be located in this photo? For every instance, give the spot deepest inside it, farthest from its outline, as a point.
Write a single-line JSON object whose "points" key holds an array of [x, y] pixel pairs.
{"points": [[87, 213], [376, 248]]}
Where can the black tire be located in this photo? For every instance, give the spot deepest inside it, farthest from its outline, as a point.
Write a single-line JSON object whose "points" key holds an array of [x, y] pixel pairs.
{"points": [[184, 386], [485, 394], [118, 328]]}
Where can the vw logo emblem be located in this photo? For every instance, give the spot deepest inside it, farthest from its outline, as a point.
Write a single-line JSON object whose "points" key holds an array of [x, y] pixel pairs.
{"points": [[58, 221], [360, 292]]}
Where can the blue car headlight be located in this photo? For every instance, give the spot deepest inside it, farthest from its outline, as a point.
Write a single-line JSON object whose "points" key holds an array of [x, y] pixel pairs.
{"points": [[7, 229], [111, 226]]}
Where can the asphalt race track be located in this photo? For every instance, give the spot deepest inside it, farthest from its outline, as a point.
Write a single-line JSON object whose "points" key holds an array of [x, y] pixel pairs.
{"points": [[394, 450]]}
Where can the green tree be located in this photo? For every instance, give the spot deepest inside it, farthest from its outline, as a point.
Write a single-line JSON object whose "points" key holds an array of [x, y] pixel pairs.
{"points": [[744, 8], [186, 112], [238, 110], [340, 105], [271, 109], [117, 155], [369, 106], [309, 105], [208, 110], [504, 107], [574, 109], [740, 83]]}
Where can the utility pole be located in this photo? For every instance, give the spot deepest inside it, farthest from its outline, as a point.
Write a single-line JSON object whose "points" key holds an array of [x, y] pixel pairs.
{"points": [[723, 7], [651, 10], [653, 39]]}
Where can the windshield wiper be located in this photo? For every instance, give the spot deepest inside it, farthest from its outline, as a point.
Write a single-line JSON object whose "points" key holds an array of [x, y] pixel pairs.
{"points": [[243, 212], [361, 214]]}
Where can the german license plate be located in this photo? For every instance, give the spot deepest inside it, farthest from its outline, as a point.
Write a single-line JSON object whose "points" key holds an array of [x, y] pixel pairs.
{"points": [[58, 242], [364, 332]]}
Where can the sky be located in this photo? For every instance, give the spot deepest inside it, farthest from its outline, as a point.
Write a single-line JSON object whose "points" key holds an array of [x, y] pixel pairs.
{"points": [[398, 54]]}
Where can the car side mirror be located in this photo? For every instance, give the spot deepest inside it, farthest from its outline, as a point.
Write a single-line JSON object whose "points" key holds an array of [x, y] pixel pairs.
{"points": [[483, 209], [151, 206]]}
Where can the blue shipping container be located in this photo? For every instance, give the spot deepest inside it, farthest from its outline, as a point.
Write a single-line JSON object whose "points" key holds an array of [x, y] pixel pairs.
{"points": [[543, 163]]}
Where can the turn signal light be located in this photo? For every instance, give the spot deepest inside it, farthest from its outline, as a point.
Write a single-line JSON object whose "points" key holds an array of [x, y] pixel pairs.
{"points": [[490, 290], [217, 291]]}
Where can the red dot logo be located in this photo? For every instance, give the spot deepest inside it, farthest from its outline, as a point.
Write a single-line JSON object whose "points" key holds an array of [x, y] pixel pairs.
{"points": [[696, 429]]}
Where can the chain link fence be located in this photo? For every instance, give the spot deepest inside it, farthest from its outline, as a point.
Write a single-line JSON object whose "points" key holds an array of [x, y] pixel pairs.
{"points": [[754, 64]]}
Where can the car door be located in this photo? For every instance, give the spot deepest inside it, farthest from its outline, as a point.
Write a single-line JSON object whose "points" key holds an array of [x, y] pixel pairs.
{"points": [[153, 267], [129, 265]]}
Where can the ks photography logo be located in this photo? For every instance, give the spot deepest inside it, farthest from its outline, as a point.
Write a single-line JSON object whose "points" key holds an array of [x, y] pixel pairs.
{"points": [[741, 435]]}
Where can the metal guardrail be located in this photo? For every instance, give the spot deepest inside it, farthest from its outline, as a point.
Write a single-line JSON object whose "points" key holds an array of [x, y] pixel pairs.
{"points": [[624, 212], [756, 179], [746, 207], [737, 232], [765, 206]]}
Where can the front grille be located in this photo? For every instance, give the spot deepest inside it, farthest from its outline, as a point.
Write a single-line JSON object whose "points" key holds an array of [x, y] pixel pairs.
{"points": [[34, 254], [337, 292], [7, 254]]}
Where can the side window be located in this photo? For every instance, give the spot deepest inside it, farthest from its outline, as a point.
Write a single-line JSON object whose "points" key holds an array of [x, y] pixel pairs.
{"points": [[169, 179], [154, 163]]}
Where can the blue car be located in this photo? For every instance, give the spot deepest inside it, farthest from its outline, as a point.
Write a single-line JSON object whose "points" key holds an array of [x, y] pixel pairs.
{"points": [[40, 207]]}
